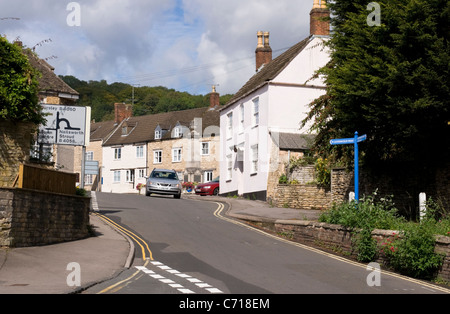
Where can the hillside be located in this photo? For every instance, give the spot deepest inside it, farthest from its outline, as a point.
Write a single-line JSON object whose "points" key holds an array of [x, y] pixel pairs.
{"points": [[101, 96]]}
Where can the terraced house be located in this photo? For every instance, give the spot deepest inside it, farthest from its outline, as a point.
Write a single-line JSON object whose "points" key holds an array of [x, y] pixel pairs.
{"points": [[185, 141]]}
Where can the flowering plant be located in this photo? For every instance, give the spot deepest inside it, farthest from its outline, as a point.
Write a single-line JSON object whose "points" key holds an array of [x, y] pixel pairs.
{"points": [[187, 185], [139, 186]]}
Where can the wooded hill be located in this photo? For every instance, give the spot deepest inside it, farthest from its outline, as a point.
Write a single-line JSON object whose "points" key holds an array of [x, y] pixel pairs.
{"points": [[101, 96]]}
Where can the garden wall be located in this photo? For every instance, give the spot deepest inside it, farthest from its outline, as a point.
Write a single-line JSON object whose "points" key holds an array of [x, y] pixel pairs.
{"points": [[33, 218], [338, 239]]}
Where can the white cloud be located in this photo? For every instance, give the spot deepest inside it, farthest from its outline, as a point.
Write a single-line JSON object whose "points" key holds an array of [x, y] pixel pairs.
{"points": [[181, 44]]}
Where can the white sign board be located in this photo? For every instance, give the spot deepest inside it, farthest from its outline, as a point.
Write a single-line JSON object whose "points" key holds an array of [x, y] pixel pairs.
{"points": [[66, 125]]}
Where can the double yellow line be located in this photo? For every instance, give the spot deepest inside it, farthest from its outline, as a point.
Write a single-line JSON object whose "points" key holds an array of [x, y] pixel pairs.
{"points": [[130, 234]]}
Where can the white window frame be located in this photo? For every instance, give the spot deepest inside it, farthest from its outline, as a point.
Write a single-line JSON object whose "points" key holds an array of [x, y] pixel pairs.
{"points": [[88, 179], [207, 176], [255, 112], [157, 156], [205, 149], [177, 132], [140, 151], [117, 153], [177, 154], [254, 156], [89, 155], [116, 176], [229, 167], [129, 176], [141, 173], [241, 118], [230, 125], [158, 134]]}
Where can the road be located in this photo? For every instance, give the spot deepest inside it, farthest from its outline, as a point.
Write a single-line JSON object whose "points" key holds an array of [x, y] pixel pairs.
{"points": [[189, 247]]}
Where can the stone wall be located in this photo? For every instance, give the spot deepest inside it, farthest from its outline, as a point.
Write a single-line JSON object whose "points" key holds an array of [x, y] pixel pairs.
{"points": [[15, 144], [33, 218], [338, 239], [302, 196]]}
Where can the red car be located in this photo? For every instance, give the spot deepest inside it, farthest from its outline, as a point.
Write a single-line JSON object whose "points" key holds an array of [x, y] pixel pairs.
{"points": [[209, 188]]}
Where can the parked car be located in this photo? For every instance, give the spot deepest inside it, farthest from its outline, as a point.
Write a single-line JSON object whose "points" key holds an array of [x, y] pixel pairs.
{"points": [[209, 188], [163, 181]]}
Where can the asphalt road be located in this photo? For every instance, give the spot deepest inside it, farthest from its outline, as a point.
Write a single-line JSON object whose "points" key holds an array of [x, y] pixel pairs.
{"points": [[190, 248]]}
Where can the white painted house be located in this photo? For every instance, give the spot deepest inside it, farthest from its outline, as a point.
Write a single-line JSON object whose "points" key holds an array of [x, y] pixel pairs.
{"points": [[272, 103]]}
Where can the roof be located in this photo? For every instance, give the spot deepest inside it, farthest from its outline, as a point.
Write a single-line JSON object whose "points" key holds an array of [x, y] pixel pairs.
{"points": [[268, 72], [49, 82], [141, 129], [294, 141], [101, 130]]}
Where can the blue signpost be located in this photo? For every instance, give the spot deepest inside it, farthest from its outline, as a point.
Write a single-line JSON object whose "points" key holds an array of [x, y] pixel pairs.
{"points": [[355, 140]]}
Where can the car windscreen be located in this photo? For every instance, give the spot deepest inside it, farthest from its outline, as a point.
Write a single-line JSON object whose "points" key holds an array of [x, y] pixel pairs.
{"points": [[164, 175]]}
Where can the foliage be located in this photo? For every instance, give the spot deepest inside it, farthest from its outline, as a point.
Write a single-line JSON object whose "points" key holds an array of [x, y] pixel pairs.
{"points": [[189, 185], [323, 172], [411, 251], [101, 96], [390, 82], [18, 86], [283, 179]]}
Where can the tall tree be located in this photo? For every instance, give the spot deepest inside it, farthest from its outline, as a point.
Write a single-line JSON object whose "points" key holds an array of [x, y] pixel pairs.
{"points": [[18, 85], [389, 80]]}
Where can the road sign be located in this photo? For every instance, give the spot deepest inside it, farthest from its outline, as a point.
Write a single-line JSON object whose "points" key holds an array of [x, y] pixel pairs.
{"points": [[65, 125], [355, 140], [91, 167]]}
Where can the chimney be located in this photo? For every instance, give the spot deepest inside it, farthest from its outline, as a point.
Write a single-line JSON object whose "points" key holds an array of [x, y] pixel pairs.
{"points": [[319, 18], [122, 112], [263, 51], [214, 98]]}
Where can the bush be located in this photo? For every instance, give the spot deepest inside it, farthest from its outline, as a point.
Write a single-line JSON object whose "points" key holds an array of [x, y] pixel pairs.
{"points": [[410, 252]]}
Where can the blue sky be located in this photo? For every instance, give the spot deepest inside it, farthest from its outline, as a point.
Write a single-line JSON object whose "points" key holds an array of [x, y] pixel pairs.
{"points": [[187, 45]]}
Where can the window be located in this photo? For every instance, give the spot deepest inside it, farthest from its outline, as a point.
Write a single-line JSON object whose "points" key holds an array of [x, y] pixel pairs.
{"points": [[205, 149], [176, 155], [254, 158], [141, 173], [207, 176], [255, 111], [229, 167], [117, 176], [88, 179], [89, 155], [139, 151], [157, 156], [230, 125], [177, 132], [241, 118], [157, 134], [129, 175], [117, 153]]}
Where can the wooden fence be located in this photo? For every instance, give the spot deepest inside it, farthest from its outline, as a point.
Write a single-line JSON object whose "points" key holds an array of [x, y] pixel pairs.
{"points": [[36, 178]]}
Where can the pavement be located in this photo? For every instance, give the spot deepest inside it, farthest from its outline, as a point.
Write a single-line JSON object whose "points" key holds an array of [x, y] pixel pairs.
{"points": [[72, 267]]}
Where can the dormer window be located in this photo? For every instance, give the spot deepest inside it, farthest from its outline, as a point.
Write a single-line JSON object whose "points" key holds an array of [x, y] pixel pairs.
{"points": [[124, 130], [177, 132], [157, 134]]}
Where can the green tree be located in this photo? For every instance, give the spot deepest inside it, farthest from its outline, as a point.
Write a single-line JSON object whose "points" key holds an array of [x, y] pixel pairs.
{"points": [[18, 86], [390, 81]]}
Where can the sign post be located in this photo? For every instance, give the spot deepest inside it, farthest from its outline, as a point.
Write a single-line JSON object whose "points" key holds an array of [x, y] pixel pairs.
{"points": [[355, 140]]}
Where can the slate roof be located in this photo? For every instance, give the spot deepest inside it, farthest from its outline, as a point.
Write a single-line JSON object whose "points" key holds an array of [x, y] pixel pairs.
{"points": [[294, 141], [268, 72], [49, 82], [141, 129]]}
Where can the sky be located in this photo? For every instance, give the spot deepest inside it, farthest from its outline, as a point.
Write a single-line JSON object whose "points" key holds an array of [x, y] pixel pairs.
{"points": [[187, 45]]}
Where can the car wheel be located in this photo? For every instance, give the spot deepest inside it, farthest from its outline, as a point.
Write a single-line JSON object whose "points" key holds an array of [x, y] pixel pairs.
{"points": [[216, 191]]}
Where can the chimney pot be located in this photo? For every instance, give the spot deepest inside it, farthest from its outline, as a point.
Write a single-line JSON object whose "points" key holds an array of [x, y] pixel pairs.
{"points": [[319, 19], [214, 98], [263, 51]]}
